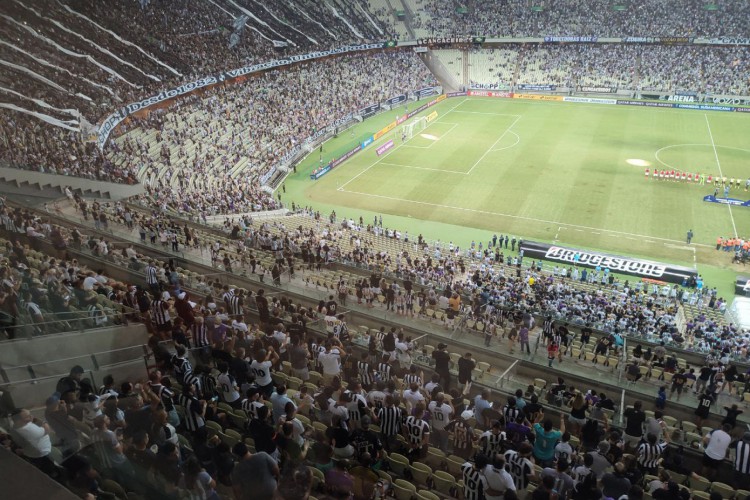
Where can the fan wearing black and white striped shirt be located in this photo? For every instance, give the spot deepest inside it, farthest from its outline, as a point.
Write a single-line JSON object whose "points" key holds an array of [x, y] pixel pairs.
{"points": [[235, 304], [384, 369], [414, 377], [650, 451], [181, 364], [152, 278], [742, 462], [195, 410], [510, 410], [474, 481], [417, 432], [364, 372], [252, 402], [390, 418], [160, 312], [199, 331], [491, 441], [520, 466]]}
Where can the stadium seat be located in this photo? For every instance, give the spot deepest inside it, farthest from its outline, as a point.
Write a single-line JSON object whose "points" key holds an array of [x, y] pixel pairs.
{"points": [[230, 437], [688, 426], [213, 428], [239, 418], [670, 421], [444, 482], [404, 490], [454, 465], [427, 495], [699, 483], [435, 458], [286, 367], [421, 473], [114, 488], [399, 464], [692, 439], [318, 477], [723, 489]]}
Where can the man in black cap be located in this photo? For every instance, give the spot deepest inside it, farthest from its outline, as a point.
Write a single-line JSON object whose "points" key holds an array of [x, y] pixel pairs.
{"points": [[442, 366]]}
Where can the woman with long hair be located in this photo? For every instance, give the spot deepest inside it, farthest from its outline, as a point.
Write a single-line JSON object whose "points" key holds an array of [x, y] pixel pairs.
{"points": [[577, 418]]}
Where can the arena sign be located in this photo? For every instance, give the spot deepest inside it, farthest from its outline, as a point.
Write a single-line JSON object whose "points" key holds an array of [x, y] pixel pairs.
{"points": [[617, 264], [114, 119]]}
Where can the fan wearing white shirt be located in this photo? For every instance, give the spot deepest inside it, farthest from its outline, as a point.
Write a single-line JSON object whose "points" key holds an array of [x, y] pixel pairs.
{"points": [[279, 333], [261, 369], [229, 391], [498, 479], [442, 413], [412, 397], [330, 361]]}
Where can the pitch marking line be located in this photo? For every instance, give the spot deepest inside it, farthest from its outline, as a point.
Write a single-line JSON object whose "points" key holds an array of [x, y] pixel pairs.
{"points": [[518, 117], [518, 139], [691, 145], [562, 225], [341, 188], [718, 163], [486, 113], [423, 168], [436, 140]]}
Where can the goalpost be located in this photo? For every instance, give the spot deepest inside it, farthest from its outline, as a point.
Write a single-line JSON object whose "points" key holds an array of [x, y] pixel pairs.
{"points": [[417, 125]]}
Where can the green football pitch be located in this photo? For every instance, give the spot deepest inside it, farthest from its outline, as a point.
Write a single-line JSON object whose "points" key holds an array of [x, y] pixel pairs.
{"points": [[558, 172]]}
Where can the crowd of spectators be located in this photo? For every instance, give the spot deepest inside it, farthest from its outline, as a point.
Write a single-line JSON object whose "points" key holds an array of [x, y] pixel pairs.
{"points": [[701, 69], [355, 382], [286, 407], [598, 18], [76, 61], [194, 164]]}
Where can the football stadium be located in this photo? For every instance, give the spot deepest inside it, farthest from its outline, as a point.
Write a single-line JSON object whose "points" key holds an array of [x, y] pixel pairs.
{"points": [[409, 249]]}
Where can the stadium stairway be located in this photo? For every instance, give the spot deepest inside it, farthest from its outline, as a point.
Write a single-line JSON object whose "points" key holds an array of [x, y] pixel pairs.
{"points": [[40, 185]]}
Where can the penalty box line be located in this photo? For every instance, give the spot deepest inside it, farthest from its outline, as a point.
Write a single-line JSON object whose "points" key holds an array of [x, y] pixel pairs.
{"points": [[424, 168], [386, 155]]}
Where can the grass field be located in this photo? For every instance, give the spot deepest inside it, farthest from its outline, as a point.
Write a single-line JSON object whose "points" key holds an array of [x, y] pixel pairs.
{"points": [[548, 171]]}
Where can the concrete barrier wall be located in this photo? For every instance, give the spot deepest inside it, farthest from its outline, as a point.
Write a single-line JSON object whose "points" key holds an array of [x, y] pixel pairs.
{"points": [[57, 353], [33, 394]]}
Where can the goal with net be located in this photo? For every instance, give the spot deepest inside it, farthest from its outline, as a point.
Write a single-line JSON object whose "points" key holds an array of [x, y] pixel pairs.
{"points": [[415, 126]]}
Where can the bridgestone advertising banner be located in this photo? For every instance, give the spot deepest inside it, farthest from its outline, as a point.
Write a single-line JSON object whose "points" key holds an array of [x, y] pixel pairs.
{"points": [[596, 90], [615, 263]]}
